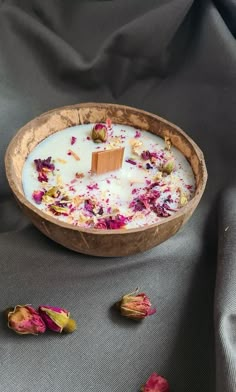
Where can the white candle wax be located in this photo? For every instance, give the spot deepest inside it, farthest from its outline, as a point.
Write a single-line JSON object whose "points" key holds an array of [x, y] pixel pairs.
{"points": [[138, 194]]}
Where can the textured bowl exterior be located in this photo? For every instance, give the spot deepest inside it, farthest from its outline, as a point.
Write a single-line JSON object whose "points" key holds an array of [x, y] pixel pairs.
{"points": [[108, 243]]}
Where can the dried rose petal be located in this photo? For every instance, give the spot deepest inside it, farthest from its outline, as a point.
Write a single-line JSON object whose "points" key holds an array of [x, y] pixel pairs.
{"points": [[112, 222], [89, 205], [92, 186], [73, 140], [37, 196], [25, 320], [44, 166], [101, 225], [131, 161], [116, 223], [146, 155], [100, 211], [156, 383], [147, 200], [42, 177], [57, 319], [135, 306], [137, 134], [160, 210], [149, 155], [99, 133]]}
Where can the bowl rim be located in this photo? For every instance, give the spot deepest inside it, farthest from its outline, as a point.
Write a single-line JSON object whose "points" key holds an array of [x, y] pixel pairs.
{"points": [[24, 201]]}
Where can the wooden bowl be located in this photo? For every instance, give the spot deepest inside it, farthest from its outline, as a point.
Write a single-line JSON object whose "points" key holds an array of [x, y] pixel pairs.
{"points": [[95, 242]]}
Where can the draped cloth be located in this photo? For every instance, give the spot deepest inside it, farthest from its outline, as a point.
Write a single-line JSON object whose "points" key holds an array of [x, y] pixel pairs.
{"points": [[176, 59]]}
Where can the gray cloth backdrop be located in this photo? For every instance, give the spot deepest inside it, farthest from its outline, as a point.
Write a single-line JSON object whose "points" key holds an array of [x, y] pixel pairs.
{"points": [[176, 58]]}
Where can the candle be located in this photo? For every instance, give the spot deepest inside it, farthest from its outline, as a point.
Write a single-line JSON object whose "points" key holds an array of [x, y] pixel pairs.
{"points": [[154, 181]]}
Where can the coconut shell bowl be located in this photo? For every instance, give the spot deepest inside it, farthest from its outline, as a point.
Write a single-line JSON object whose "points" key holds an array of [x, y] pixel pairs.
{"points": [[91, 241]]}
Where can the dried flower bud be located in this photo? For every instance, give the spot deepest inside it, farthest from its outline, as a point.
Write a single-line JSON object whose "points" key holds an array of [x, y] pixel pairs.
{"points": [[135, 306], [24, 319], [156, 383], [168, 166], [99, 133], [57, 319]]}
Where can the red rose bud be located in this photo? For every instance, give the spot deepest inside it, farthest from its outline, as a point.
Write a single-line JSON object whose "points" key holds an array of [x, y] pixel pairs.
{"points": [[135, 306], [24, 319], [99, 133], [156, 383], [57, 319]]}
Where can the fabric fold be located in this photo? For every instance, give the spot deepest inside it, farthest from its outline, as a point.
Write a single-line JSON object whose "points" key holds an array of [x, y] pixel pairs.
{"points": [[225, 295]]}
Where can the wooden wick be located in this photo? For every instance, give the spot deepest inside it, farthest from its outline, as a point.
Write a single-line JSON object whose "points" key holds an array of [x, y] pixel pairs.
{"points": [[107, 160]]}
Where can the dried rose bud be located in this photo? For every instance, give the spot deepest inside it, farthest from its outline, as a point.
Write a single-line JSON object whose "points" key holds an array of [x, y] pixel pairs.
{"points": [[24, 319], [57, 319], [168, 166], [156, 383], [99, 133], [135, 306]]}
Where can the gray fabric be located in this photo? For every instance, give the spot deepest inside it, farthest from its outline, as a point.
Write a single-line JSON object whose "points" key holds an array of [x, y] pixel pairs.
{"points": [[173, 58], [225, 302]]}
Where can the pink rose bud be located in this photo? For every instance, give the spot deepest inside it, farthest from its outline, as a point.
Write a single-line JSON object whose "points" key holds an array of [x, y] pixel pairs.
{"points": [[24, 319], [99, 133], [156, 383], [57, 319], [168, 166], [135, 306]]}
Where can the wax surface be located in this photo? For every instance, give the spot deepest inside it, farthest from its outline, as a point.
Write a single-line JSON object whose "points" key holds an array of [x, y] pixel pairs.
{"points": [[138, 194]]}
